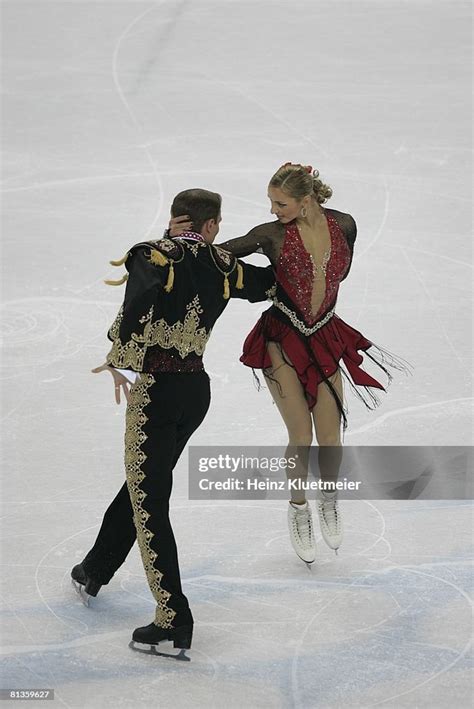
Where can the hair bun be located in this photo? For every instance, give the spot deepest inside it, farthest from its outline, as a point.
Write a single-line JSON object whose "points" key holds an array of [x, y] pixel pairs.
{"points": [[306, 168], [300, 182]]}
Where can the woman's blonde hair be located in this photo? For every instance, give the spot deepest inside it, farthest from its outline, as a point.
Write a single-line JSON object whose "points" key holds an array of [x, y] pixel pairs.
{"points": [[297, 181]]}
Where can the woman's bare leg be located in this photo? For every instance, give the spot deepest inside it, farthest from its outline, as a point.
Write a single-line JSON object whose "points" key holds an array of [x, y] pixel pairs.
{"points": [[288, 395], [327, 424]]}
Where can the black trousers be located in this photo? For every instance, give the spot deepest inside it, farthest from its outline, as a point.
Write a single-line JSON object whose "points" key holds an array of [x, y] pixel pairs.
{"points": [[163, 412]]}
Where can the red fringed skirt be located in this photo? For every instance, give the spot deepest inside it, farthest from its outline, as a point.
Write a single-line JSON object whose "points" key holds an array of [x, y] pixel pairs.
{"points": [[316, 357]]}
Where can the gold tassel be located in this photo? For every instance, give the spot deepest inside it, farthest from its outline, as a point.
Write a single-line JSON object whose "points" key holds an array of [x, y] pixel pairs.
{"points": [[157, 258], [226, 287], [170, 281], [121, 261], [117, 283], [240, 277]]}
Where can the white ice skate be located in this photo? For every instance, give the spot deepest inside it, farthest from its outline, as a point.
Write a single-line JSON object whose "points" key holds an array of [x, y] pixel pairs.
{"points": [[330, 519], [300, 526]]}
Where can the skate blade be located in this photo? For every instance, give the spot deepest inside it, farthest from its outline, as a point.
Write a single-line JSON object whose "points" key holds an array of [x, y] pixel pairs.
{"points": [[79, 588], [307, 563], [151, 650]]}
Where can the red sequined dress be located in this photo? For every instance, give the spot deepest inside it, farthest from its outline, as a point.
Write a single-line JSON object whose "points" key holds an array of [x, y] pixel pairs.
{"points": [[315, 344]]}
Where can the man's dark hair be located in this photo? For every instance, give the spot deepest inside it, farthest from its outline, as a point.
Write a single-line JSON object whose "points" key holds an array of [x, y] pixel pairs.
{"points": [[201, 205]]}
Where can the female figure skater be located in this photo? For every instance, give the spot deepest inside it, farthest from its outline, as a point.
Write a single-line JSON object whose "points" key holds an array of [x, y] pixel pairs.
{"points": [[302, 347]]}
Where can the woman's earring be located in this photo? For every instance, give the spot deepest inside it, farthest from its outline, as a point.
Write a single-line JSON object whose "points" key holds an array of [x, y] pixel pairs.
{"points": [[304, 212]]}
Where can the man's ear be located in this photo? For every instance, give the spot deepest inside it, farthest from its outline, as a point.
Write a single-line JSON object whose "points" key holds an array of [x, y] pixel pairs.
{"points": [[207, 226]]}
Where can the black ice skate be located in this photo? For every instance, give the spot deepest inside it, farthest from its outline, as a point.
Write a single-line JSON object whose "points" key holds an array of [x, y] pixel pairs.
{"points": [[152, 635], [84, 585]]}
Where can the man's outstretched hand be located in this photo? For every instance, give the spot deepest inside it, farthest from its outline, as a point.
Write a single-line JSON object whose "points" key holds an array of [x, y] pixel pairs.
{"points": [[120, 382]]}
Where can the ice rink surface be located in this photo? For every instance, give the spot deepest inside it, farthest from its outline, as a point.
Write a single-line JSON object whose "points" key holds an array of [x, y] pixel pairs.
{"points": [[109, 109]]}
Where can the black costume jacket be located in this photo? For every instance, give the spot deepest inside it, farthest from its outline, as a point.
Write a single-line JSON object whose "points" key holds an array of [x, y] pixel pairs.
{"points": [[176, 290]]}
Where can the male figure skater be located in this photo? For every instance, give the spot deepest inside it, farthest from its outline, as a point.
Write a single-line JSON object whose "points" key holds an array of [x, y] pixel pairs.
{"points": [[176, 290]]}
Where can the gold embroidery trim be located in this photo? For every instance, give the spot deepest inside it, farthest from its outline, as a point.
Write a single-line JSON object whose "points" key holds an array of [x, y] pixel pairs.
{"points": [[186, 337], [115, 327], [135, 437], [170, 246], [130, 355], [194, 247], [227, 258]]}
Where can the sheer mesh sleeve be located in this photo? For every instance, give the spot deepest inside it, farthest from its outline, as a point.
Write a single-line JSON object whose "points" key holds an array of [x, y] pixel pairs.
{"points": [[263, 239], [349, 227]]}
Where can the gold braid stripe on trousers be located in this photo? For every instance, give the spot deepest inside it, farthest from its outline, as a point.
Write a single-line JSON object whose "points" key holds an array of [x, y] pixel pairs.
{"points": [[134, 460]]}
